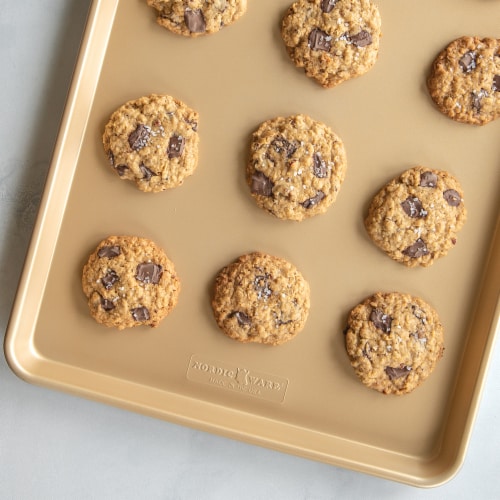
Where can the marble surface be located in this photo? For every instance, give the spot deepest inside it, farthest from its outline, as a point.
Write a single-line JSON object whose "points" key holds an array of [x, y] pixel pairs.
{"points": [[56, 446]]}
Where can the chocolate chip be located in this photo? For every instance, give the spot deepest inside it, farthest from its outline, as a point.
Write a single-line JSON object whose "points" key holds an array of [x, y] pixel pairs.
{"points": [[175, 146], [195, 21], [109, 251], [397, 372], [319, 40], [111, 158], [261, 285], [243, 318], [413, 208], [140, 313], [121, 169], [428, 179], [146, 172], [311, 202], [476, 100], [418, 249], [139, 137], [468, 61], [320, 168], [496, 84], [452, 197], [107, 304], [328, 5], [261, 184], [148, 272], [109, 279], [362, 39], [283, 146], [381, 320]]}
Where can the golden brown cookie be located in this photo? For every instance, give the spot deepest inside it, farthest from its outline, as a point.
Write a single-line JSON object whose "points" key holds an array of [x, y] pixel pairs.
{"points": [[333, 40], [393, 341], [296, 167], [197, 17], [465, 80], [261, 298], [153, 141], [416, 217], [129, 281]]}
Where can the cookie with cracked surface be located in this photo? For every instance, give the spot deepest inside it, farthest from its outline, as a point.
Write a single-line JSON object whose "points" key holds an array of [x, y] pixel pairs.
{"points": [[296, 167], [129, 281], [194, 18], [393, 341], [261, 298], [416, 217], [153, 142], [464, 81], [333, 40]]}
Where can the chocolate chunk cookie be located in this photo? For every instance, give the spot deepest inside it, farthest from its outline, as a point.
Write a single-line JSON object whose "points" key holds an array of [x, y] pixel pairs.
{"points": [[333, 40], [394, 342], [153, 141], [197, 17], [129, 281], [296, 167], [465, 80], [261, 298], [415, 218]]}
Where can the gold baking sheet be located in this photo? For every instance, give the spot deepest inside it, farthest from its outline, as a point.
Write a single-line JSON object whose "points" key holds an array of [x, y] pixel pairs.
{"points": [[301, 397]]}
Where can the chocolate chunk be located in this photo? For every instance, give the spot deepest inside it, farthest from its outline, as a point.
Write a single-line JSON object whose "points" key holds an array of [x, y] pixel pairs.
{"points": [[418, 249], [311, 202], [452, 197], [468, 61], [193, 124], [319, 40], [496, 84], [283, 146], [147, 272], [139, 137], [140, 313], [109, 251], [261, 184], [381, 320], [413, 208], [109, 279], [476, 100], [243, 318], [428, 179], [121, 169], [195, 21], [362, 39], [175, 146], [107, 304], [397, 372], [328, 5], [320, 168], [111, 158], [146, 172], [261, 285]]}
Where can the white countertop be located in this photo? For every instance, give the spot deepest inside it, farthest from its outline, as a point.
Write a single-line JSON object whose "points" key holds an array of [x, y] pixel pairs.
{"points": [[57, 446]]}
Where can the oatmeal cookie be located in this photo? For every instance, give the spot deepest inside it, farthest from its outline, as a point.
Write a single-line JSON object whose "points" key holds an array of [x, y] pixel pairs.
{"points": [[416, 217], [296, 167], [333, 40], [129, 281], [153, 142], [394, 341], [193, 18], [261, 298]]}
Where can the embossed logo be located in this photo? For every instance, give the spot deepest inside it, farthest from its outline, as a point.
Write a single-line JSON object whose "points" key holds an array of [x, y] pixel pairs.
{"points": [[237, 378]]}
